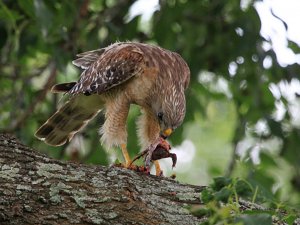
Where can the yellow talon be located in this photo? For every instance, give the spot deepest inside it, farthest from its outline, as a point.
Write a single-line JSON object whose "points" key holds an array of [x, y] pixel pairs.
{"points": [[126, 155]]}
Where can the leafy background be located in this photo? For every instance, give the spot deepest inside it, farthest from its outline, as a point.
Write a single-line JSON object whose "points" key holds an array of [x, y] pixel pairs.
{"points": [[231, 127]]}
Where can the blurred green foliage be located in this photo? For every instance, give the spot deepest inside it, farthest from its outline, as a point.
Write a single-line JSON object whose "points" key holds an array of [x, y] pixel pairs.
{"points": [[229, 93], [224, 203]]}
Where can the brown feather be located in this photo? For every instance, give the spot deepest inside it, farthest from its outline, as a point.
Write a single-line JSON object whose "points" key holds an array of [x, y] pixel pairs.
{"points": [[69, 119], [64, 87]]}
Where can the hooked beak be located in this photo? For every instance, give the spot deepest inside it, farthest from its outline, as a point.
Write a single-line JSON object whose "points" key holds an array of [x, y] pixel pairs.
{"points": [[166, 133]]}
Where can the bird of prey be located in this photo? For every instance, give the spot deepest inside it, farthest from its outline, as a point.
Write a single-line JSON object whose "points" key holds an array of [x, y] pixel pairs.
{"points": [[113, 78]]}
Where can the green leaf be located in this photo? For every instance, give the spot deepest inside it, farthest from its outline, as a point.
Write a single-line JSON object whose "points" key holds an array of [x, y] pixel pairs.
{"points": [[9, 16], [243, 188], [223, 195], [206, 196], [220, 182], [27, 6], [290, 219], [294, 46]]}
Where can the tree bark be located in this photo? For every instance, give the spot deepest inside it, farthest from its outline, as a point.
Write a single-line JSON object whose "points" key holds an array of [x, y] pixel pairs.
{"points": [[35, 189]]}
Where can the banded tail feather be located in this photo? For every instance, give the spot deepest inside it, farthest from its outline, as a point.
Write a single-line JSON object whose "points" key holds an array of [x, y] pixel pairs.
{"points": [[73, 116], [64, 87]]}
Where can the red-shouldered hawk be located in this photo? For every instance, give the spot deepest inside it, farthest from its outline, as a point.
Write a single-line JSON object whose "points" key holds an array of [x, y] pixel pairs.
{"points": [[113, 78]]}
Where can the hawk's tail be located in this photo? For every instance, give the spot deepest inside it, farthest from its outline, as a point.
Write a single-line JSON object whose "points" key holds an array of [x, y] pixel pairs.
{"points": [[69, 119]]}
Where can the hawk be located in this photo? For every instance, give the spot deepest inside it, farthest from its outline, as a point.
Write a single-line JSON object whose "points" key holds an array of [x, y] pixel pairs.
{"points": [[113, 78]]}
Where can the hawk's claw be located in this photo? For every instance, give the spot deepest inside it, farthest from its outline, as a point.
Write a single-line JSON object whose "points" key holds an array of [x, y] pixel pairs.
{"points": [[158, 150], [161, 174]]}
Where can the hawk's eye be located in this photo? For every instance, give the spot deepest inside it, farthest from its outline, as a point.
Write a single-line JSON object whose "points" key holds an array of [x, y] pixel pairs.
{"points": [[160, 116]]}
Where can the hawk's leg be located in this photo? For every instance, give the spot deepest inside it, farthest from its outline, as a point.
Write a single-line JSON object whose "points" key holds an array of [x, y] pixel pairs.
{"points": [[114, 131], [158, 170], [126, 156]]}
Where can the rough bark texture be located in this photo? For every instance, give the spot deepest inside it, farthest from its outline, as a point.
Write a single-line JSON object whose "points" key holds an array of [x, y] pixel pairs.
{"points": [[35, 189]]}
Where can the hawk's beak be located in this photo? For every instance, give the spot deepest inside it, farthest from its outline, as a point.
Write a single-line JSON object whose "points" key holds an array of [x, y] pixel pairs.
{"points": [[166, 133]]}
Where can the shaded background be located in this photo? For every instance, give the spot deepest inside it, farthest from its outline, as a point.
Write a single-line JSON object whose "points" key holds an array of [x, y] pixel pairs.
{"points": [[242, 105]]}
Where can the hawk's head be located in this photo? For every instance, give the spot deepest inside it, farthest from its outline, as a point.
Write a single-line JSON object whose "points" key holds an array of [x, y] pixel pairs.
{"points": [[170, 111]]}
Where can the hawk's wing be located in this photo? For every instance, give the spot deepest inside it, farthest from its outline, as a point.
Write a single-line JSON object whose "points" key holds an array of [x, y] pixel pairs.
{"points": [[106, 68]]}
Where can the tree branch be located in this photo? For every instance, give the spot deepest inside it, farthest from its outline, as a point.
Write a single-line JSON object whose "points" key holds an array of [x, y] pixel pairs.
{"points": [[38, 190]]}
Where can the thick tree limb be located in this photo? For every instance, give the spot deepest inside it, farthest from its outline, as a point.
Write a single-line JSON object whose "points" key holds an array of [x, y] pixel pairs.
{"points": [[35, 189]]}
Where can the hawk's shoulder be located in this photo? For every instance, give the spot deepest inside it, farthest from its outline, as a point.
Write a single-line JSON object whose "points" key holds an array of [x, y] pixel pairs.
{"points": [[107, 67]]}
